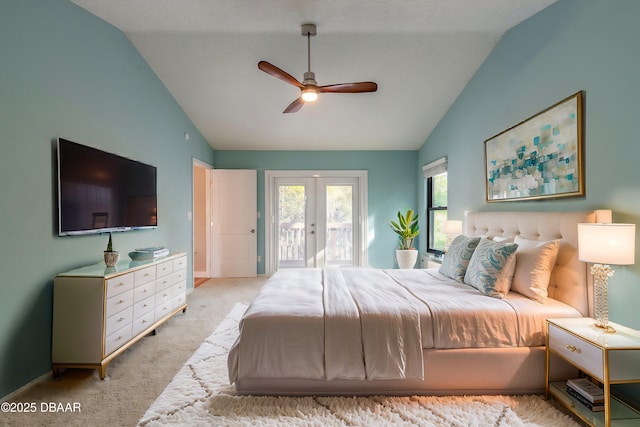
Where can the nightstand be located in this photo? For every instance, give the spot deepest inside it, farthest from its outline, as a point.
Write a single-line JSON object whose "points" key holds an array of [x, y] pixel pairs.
{"points": [[608, 358], [429, 260]]}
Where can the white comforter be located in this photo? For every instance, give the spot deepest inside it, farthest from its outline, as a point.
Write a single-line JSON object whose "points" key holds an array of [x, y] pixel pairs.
{"points": [[373, 324]]}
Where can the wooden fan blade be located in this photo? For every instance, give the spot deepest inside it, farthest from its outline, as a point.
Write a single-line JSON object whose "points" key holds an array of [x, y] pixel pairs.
{"points": [[349, 87], [276, 72], [294, 106]]}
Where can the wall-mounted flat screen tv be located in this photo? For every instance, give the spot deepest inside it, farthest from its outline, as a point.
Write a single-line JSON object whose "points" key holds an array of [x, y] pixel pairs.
{"points": [[100, 192]]}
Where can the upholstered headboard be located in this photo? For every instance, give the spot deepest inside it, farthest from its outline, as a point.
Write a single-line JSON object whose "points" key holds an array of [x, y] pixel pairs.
{"points": [[570, 281]]}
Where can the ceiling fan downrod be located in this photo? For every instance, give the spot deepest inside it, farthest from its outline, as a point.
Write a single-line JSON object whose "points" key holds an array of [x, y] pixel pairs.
{"points": [[309, 30]]}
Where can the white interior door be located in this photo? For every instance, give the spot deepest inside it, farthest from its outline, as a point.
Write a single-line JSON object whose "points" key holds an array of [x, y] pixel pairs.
{"points": [[234, 223], [316, 221]]}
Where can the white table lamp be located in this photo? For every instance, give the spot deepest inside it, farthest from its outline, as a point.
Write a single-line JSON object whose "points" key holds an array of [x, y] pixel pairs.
{"points": [[604, 244], [451, 229]]}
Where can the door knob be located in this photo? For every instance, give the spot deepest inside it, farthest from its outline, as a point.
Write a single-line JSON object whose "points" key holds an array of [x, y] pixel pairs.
{"points": [[253, 230]]}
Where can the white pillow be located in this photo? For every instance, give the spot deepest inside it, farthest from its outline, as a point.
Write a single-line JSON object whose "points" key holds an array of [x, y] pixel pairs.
{"points": [[509, 239], [534, 263]]}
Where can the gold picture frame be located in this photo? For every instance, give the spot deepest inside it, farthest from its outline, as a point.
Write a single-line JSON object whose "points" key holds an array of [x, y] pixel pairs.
{"points": [[540, 157]]}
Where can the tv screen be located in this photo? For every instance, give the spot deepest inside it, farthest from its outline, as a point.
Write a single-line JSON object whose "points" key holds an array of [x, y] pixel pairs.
{"points": [[100, 192]]}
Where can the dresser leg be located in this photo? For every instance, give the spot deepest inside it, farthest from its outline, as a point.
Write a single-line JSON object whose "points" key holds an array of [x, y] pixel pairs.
{"points": [[102, 371]]}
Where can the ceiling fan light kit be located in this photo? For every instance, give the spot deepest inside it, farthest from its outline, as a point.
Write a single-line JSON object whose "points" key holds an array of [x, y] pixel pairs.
{"points": [[309, 89]]}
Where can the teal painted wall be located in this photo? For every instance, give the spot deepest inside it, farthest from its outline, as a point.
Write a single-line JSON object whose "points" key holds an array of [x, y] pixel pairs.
{"points": [[392, 187], [573, 45], [67, 73]]}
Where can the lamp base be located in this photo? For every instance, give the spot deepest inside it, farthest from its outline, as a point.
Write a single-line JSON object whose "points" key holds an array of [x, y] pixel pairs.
{"points": [[600, 275]]}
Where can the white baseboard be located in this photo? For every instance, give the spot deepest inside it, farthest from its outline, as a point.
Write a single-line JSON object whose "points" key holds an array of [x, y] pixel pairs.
{"points": [[26, 387], [200, 274]]}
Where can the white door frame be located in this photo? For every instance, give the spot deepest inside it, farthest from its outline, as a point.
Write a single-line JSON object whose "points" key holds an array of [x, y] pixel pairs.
{"points": [[270, 215], [207, 167]]}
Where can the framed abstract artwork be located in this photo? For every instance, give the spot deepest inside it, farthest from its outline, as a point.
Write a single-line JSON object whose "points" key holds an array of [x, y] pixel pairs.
{"points": [[541, 157]]}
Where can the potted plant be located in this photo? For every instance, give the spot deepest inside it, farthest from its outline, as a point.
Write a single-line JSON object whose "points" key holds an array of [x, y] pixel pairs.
{"points": [[407, 230], [111, 257]]}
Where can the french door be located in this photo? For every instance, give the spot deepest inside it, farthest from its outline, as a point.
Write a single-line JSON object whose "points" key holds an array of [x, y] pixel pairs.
{"points": [[316, 219]]}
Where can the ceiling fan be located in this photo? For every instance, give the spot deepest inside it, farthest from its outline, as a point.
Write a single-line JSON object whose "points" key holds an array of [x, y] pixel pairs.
{"points": [[309, 87]]}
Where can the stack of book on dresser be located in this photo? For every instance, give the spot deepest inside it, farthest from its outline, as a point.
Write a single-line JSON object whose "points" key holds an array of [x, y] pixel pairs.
{"points": [[587, 393]]}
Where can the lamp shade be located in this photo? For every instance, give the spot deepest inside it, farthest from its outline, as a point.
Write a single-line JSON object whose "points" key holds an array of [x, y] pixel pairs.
{"points": [[607, 243], [452, 227]]}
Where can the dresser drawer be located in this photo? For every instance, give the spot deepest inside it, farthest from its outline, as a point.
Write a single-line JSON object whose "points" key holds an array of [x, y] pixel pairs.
{"points": [[118, 320], [163, 309], [164, 283], [583, 354], [143, 322], [145, 306], [164, 269], [179, 288], [144, 291], [179, 276], [180, 263], [119, 284], [179, 300], [117, 339], [163, 296], [145, 275], [119, 302]]}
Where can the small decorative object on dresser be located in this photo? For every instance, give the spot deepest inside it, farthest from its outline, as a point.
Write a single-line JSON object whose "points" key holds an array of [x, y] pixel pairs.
{"points": [[111, 257], [98, 313], [407, 229]]}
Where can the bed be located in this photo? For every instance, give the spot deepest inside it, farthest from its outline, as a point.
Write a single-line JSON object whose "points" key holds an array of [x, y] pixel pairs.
{"points": [[451, 330]]}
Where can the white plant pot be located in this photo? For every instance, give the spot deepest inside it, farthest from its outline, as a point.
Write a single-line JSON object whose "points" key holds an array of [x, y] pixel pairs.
{"points": [[111, 258], [406, 258]]}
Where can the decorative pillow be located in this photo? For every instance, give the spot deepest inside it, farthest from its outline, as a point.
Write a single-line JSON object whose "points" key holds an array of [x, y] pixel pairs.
{"points": [[491, 267], [534, 263], [456, 259]]}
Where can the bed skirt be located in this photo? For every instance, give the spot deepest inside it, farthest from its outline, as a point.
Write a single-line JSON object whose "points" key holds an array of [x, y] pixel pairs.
{"points": [[475, 371]]}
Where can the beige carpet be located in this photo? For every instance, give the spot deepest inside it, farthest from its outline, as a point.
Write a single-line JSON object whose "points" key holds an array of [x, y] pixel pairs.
{"points": [[200, 395]]}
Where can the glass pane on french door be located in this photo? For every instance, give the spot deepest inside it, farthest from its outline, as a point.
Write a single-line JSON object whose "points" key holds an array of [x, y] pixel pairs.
{"points": [[291, 218], [339, 225]]}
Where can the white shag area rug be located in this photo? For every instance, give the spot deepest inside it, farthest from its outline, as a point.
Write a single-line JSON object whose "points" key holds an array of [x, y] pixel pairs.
{"points": [[200, 395]]}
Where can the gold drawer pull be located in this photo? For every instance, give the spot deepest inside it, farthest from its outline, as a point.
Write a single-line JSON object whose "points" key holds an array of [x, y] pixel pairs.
{"points": [[146, 274], [144, 321], [121, 301], [120, 284], [121, 319], [572, 348]]}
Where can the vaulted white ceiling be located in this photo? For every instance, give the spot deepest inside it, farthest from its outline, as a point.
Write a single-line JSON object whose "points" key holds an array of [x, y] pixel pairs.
{"points": [[420, 52]]}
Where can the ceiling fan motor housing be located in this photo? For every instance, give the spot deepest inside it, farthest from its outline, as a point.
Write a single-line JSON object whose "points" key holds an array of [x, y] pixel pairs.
{"points": [[309, 78]]}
